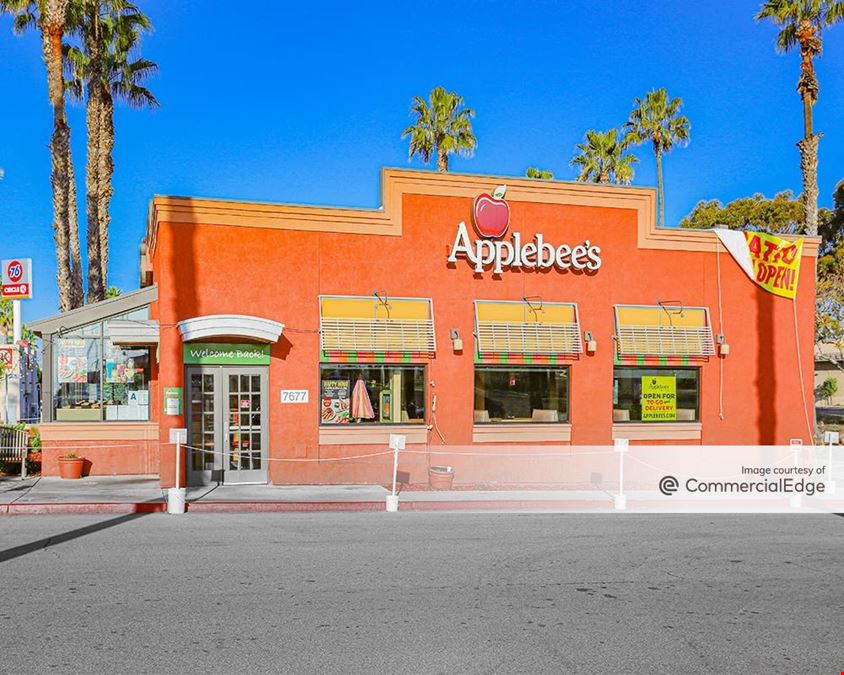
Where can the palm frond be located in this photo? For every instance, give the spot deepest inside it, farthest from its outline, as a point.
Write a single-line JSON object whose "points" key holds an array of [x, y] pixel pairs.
{"points": [[442, 126]]}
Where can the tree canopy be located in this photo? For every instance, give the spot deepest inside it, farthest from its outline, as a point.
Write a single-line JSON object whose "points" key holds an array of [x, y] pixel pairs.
{"points": [[784, 214]]}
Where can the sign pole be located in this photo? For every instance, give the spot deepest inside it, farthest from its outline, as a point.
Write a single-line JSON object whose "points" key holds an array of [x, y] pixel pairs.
{"points": [[17, 330]]}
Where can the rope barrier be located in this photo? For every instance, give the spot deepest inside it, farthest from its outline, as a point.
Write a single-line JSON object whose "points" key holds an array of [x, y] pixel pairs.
{"points": [[289, 459]]}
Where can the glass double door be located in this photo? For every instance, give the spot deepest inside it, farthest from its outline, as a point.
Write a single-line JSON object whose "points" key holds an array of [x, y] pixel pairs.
{"points": [[227, 424]]}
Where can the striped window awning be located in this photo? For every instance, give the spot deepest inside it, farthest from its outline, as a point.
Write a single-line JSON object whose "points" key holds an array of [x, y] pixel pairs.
{"points": [[663, 330], [379, 325], [522, 327]]}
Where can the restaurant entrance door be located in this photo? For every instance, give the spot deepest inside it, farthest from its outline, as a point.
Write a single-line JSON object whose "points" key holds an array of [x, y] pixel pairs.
{"points": [[227, 424]]}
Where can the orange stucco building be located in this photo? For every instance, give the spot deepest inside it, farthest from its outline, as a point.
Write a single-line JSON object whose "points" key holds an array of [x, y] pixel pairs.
{"points": [[278, 333]]}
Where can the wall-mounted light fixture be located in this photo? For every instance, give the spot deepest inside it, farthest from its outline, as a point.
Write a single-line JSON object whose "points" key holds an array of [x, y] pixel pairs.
{"points": [[723, 346], [591, 342], [456, 340]]}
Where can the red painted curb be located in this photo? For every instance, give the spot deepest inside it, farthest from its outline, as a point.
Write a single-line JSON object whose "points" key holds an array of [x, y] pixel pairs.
{"points": [[274, 507], [115, 508], [83, 508]]}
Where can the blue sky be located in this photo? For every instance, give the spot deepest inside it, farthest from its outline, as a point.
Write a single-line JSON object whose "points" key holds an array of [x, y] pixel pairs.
{"points": [[305, 102]]}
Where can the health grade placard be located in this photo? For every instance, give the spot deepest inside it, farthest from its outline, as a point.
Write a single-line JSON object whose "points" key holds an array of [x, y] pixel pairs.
{"points": [[659, 398]]}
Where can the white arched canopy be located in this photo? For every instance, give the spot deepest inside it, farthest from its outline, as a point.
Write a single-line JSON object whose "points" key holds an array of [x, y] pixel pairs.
{"points": [[241, 326]]}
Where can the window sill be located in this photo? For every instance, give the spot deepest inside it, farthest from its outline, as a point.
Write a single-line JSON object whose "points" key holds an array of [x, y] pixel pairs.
{"points": [[370, 434], [657, 431], [517, 433]]}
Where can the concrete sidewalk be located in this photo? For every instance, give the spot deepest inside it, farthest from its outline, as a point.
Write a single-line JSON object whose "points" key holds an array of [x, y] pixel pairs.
{"points": [[135, 494], [143, 494]]}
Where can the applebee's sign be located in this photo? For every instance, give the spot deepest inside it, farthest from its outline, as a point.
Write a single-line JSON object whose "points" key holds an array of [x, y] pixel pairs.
{"points": [[491, 216]]}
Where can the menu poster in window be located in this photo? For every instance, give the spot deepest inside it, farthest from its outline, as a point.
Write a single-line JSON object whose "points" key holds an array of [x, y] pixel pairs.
{"points": [[659, 398], [72, 362], [336, 401], [120, 368]]}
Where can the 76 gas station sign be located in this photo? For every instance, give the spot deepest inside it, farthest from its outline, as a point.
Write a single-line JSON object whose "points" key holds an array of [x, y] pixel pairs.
{"points": [[16, 279]]}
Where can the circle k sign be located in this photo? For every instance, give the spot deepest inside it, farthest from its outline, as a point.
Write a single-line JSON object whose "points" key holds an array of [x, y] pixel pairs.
{"points": [[16, 279]]}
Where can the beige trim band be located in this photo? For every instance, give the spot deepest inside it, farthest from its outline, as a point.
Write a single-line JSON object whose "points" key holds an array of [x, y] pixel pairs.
{"points": [[99, 431], [520, 433], [396, 183], [371, 434], [657, 431]]}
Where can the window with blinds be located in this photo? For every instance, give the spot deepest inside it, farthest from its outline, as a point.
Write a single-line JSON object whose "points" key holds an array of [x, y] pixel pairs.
{"points": [[663, 330], [371, 324], [524, 327]]}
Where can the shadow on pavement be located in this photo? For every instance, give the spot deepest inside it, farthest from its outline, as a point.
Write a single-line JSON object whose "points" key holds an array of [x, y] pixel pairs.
{"points": [[23, 549]]}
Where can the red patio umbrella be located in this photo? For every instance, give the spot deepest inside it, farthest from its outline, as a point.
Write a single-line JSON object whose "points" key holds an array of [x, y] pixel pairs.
{"points": [[361, 405]]}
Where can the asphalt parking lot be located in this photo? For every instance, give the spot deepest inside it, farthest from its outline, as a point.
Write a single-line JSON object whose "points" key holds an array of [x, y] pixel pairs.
{"points": [[422, 593]]}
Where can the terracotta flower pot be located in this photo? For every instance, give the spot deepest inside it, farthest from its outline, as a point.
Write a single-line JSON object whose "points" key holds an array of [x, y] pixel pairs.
{"points": [[71, 467], [440, 477]]}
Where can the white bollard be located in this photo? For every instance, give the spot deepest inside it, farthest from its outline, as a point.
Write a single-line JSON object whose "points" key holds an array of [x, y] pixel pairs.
{"points": [[176, 500]]}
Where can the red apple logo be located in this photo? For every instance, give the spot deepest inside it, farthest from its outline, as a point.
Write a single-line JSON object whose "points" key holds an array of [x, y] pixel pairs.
{"points": [[491, 213]]}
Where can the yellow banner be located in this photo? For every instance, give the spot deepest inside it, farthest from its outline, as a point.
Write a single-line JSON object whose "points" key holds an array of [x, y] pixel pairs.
{"points": [[776, 262], [659, 398]]}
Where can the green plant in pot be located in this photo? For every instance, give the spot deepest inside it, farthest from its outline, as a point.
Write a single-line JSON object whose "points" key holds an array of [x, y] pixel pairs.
{"points": [[71, 465]]}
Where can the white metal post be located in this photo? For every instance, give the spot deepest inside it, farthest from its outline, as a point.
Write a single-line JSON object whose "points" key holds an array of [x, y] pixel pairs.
{"points": [[176, 496], [395, 469], [794, 499], [397, 442], [830, 480], [619, 500], [178, 463], [17, 322]]}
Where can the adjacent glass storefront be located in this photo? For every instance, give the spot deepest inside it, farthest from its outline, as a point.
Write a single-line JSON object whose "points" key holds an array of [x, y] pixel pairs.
{"points": [[96, 380]]}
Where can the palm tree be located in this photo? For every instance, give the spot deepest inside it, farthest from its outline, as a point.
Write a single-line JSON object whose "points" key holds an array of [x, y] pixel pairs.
{"points": [[49, 16], [602, 158], [658, 119], [543, 174], [801, 23], [110, 32], [442, 127]]}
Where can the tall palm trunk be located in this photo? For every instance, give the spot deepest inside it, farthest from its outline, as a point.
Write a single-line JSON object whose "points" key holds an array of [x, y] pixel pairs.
{"points": [[105, 189], [94, 122], [68, 274], [58, 179], [442, 160], [78, 293], [93, 118], [659, 186], [807, 86]]}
